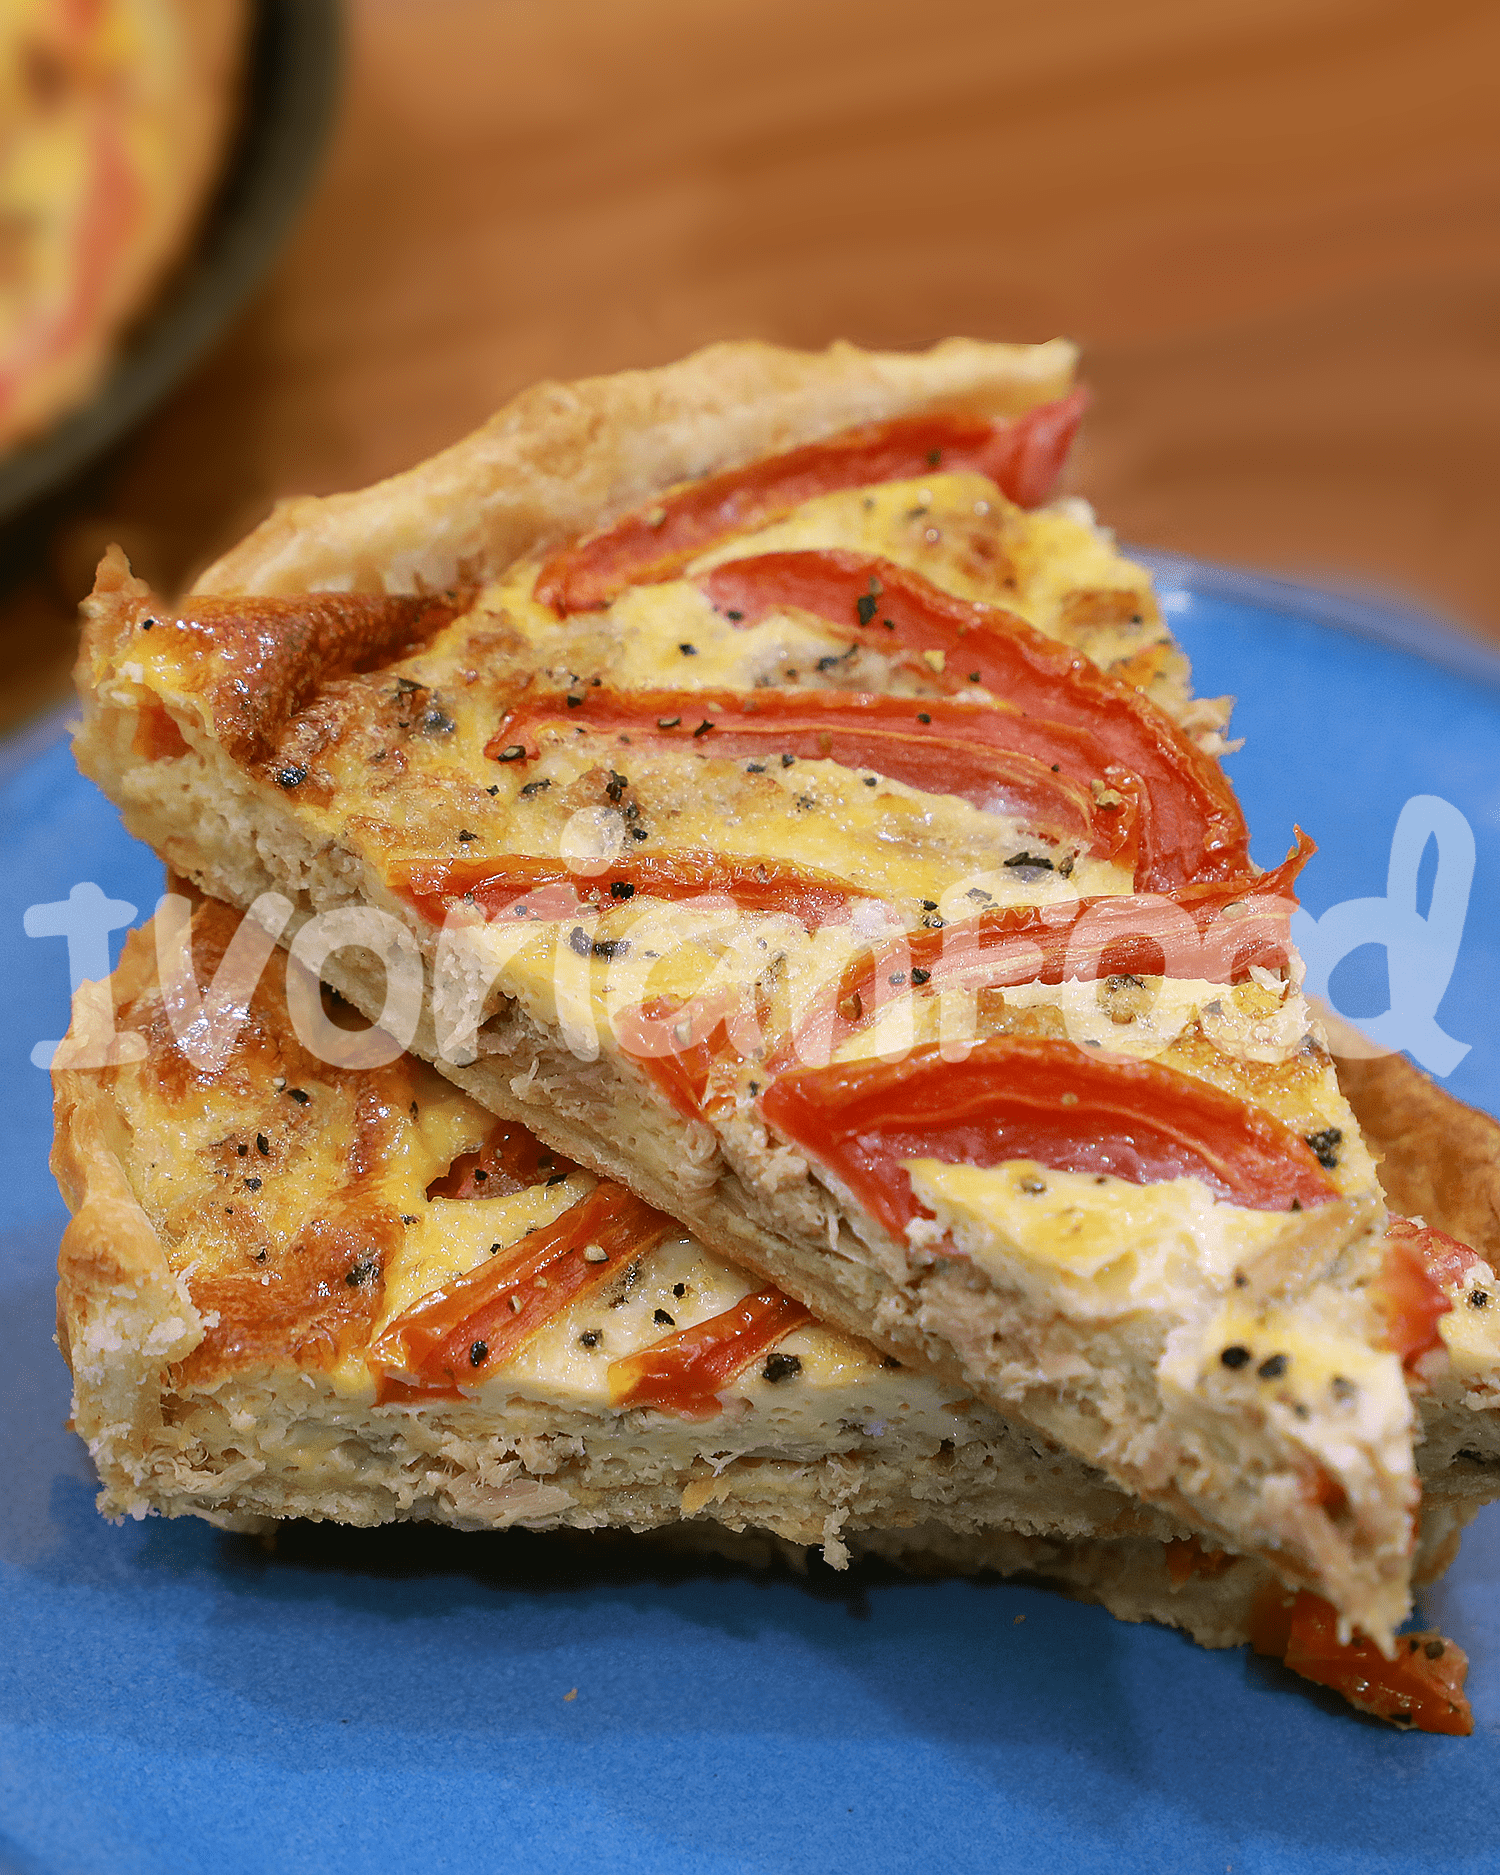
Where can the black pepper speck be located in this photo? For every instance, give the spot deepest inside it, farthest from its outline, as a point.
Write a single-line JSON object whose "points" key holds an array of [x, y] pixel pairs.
{"points": [[1325, 1145]]}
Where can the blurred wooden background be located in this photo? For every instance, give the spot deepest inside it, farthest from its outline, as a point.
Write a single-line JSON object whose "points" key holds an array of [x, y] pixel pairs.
{"points": [[1270, 222]]}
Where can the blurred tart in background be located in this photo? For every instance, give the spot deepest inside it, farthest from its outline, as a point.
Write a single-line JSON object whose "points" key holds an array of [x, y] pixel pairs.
{"points": [[115, 118]]}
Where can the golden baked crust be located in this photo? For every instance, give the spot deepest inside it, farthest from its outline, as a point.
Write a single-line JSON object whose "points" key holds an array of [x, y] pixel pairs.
{"points": [[115, 122], [564, 457], [1439, 1159], [354, 791]]}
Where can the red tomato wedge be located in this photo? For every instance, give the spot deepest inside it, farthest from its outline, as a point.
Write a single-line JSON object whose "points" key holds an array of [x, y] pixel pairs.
{"points": [[511, 1159], [1023, 1098], [998, 760], [459, 1334], [1188, 934], [1192, 825], [1446, 1260], [685, 1373], [698, 1035], [1411, 1298], [547, 889], [1023, 456], [1421, 1689]]}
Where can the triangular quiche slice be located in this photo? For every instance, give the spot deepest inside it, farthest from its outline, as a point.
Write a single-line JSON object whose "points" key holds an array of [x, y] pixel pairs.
{"points": [[297, 1290], [826, 845], [293, 1290]]}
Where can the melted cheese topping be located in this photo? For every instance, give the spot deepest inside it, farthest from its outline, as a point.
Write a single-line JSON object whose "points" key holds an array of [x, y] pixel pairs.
{"points": [[1313, 1371], [312, 1142], [408, 781], [1471, 1329], [1091, 1243]]}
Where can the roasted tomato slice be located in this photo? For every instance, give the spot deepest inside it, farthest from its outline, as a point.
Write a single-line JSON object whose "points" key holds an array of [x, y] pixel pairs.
{"points": [[1022, 456], [459, 1334], [1409, 1290], [1186, 934], [1193, 826], [547, 889], [687, 1371], [1023, 1098], [679, 1044], [997, 759], [1421, 1689], [1446, 1260]]}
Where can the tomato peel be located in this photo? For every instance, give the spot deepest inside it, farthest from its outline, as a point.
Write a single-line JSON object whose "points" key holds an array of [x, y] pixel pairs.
{"points": [[1024, 1098], [685, 1372], [997, 759], [1411, 1299], [1023, 456], [683, 1071], [1181, 934], [1421, 1688], [511, 1159], [550, 890], [1192, 824], [501, 1304], [1446, 1260]]}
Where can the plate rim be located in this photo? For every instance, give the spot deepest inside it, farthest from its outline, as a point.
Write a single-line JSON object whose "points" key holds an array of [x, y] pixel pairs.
{"points": [[1395, 622]]}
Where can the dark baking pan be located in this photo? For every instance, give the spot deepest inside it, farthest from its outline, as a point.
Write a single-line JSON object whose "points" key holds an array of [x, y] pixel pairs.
{"points": [[291, 83]]}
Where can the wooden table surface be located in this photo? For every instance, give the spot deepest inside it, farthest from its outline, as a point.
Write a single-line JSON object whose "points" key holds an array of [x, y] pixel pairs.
{"points": [[1270, 223]]}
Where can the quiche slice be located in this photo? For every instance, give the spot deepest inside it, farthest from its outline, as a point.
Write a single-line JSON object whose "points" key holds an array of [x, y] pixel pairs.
{"points": [[293, 1290], [828, 847], [297, 1290]]}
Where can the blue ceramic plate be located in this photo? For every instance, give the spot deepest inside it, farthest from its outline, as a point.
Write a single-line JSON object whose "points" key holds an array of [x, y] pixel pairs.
{"points": [[173, 1699]]}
